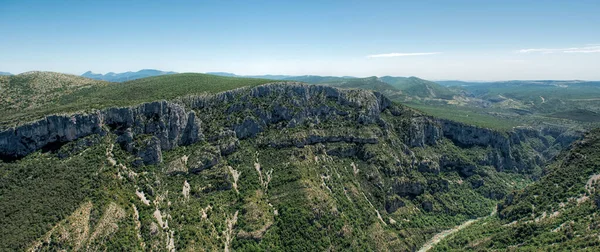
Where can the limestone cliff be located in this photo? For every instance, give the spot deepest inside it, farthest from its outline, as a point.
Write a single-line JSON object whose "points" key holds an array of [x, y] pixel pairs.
{"points": [[246, 112], [275, 156]]}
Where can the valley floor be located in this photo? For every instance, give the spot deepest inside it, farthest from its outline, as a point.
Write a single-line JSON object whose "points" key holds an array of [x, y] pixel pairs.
{"points": [[444, 234]]}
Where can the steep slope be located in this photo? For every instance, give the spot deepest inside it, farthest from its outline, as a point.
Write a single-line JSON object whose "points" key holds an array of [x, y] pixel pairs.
{"points": [[282, 166], [558, 212], [126, 76]]}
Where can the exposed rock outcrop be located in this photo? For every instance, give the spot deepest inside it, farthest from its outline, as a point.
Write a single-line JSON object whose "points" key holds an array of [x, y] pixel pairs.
{"points": [[203, 159], [149, 153], [423, 131], [248, 112], [407, 188], [174, 125], [168, 122]]}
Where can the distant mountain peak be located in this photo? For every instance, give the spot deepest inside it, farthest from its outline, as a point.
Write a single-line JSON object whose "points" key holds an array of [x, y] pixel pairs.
{"points": [[125, 76]]}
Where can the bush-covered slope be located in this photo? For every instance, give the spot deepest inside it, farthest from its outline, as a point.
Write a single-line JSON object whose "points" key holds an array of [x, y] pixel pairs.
{"points": [[30, 96], [369, 83], [34, 91], [558, 212], [275, 167]]}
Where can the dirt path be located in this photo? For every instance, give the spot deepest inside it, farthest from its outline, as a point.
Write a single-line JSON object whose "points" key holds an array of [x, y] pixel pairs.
{"points": [[442, 235]]}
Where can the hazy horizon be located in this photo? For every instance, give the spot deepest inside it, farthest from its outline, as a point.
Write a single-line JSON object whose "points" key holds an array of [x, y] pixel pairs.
{"points": [[437, 40], [266, 74]]}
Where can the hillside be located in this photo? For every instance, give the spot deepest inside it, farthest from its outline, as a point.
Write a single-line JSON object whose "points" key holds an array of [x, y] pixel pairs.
{"points": [[5, 73], [415, 87], [35, 91], [33, 95], [369, 83], [126, 76], [558, 212], [282, 166]]}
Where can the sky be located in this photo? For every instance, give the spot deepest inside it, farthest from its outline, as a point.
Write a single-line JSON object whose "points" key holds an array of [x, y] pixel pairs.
{"points": [[436, 40]]}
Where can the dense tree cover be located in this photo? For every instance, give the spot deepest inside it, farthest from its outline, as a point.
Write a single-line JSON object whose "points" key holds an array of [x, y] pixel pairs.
{"points": [[558, 212]]}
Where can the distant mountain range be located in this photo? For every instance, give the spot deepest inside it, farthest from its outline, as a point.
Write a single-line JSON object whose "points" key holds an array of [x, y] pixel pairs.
{"points": [[313, 79], [5, 73], [126, 76], [563, 83]]}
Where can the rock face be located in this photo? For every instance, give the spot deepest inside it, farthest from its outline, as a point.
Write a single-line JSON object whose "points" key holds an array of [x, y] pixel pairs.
{"points": [[150, 152], [31, 137], [407, 188], [503, 155], [203, 159], [173, 125], [168, 122], [223, 119], [248, 128], [424, 131]]}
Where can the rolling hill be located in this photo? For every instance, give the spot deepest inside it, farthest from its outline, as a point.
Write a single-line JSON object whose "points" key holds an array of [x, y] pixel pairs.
{"points": [[416, 87]]}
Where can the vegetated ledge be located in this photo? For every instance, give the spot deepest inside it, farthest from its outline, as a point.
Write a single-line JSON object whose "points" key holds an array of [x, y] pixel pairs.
{"points": [[245, 112]]}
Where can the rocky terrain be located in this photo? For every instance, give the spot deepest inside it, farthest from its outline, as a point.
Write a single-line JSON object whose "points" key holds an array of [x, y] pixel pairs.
{"points": [[557, 212], [250, 168], [176, 123]]}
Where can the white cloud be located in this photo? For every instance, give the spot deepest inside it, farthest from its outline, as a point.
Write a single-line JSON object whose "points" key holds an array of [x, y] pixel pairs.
{"points": [[389, 55], [584, 49]]}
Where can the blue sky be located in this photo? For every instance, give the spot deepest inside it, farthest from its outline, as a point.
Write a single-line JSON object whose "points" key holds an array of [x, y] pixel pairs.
{"points": [[467, 40]]}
